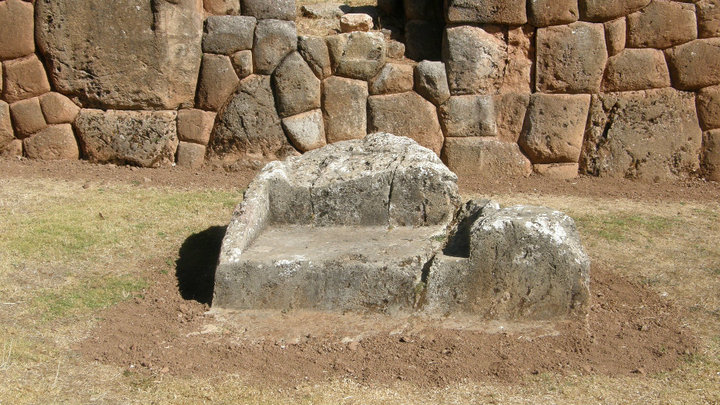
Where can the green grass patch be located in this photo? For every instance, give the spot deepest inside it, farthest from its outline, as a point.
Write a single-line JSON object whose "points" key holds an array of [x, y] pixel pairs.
{"points": [[99, 295], [621, 227]]}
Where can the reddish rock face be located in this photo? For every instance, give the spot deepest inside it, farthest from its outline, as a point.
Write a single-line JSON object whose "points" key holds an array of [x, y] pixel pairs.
{"points": [[486, 157], [344, 108], [217, 82], [24, 78], [694, 65], [604, 10], [511, 12], [27, 117], [56, 142], [636, 69], [543, 13], [16, 29], [661, 24]]}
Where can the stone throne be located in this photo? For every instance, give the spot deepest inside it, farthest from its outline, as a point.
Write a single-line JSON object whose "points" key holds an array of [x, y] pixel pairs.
{"points": [[362, 225]]}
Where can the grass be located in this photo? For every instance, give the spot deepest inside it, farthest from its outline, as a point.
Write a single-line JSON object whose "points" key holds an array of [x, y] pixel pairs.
{"points": [[67, 252]]}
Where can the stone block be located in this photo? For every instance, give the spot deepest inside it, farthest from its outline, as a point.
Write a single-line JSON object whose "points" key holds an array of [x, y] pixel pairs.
{"points": [[554, 127], [616, 35], [711, 155], [139, 138], [58, 109], [315, 52], [6, 130], [195, 126], [661, 24], [16, 29], [274, 39], [297, 90], [636, 69], [393, 78], [543, 13], [56, 142], [216, 83], [485, 157], [502, 12], [650, 135], [320, 11], [274, 9], [306, 131], [357, 55], [27, 117], [605, 10], [475, 60], [228, 34], [694, 65], [12, 149], [242, 63], [708, 15], [222, 7], [406, 114], [431, 81], [24, 78], [510, 109], [249, 124], [144, 54], [559, 171], [708, 107], [470, 115], [423, 40], [190, 155], [344, 108], [571, 58], [356, 22], [396, 49], [519, 71]]}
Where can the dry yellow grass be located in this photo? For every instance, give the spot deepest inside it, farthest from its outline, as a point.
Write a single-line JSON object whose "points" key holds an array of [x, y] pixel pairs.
{"points": [[66, 252]]}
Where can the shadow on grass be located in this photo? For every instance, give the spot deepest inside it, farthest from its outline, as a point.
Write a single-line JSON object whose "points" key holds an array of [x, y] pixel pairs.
{"points": [[195, 267]]}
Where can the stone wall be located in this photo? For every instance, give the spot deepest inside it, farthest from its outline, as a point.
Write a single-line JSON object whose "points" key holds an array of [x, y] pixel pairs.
{"points": [[623, 88]]}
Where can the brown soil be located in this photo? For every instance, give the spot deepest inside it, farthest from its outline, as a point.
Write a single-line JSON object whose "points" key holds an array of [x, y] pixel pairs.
{"points": [[629, 330], [218, 178]]}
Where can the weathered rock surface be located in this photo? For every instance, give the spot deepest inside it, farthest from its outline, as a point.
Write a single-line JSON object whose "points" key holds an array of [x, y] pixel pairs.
{"points": [[636, 69], [12, 149], [249, 123], [242, 62], [571, 58], [463, 116], [155, 43], [406, 114], [694, 65], [523, 263], [140, 138], [6, 131], [56, 142], [510, 12], [486, 157], [296, 87], [346, 227], [652, 134], [475, 60], [616, 35], [560, 171], [393, 78], [708, 15], [24, 78], [264, 9], [543, 13], [708, 107], [195, 125], [306, 131], [711, 155], [274, 39], [16, 29], [58, 109], [554, 127], [356, 22], [217, 81], [604, 10], [228, 34], [357, 55], [190, 155], [510, 109], [431, 81], [322, 10], [27, 117], [315, 52], [222, 7], [661, 24], [344, 108]]}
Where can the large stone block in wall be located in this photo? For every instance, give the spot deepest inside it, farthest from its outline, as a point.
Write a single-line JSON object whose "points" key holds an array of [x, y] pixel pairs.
{"points": [[296, 87], [475, 60], [16, 29], [708, 106], [431, 81], [344, 108], [711, 155], [604, 10], [406, 114], [509, 12], [217, 81], [651, 135], [468, 115], [661, 24], [6, 131], [708, 15], [315, 52], [636, 69], [486, 157], [695, 65], [357, 55], [543, 13], [571, 58], [264, 9], [56, 142], [24, 78], [554, 127], [140, 138], [249, 123], [126, 54], [228, 34], [274, 39]]}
